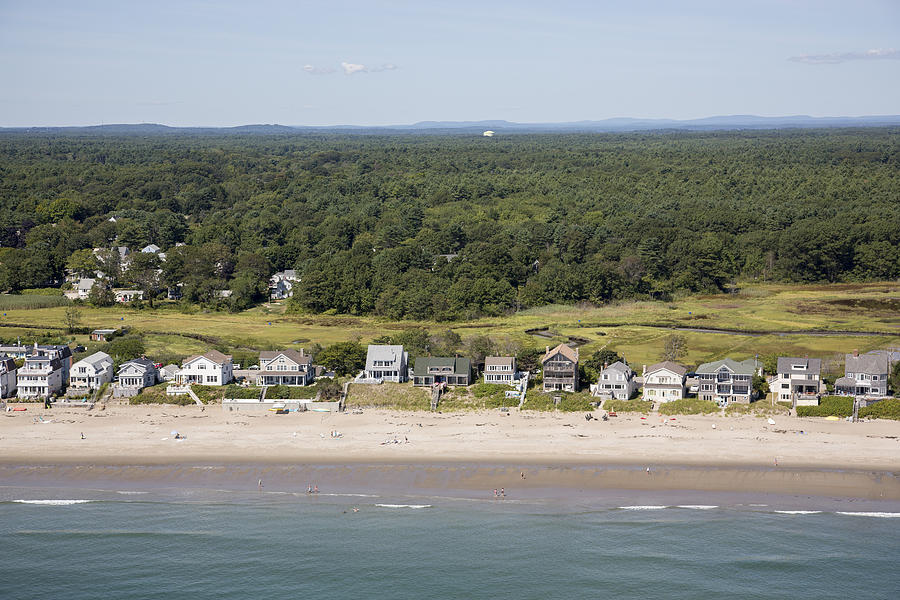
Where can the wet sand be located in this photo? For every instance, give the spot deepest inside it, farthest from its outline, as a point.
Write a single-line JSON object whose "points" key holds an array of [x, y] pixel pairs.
{"points": [[459, 451]]}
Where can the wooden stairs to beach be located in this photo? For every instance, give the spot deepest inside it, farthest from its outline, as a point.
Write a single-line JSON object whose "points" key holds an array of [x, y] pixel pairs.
{"points": [[194, 396], [435, 396]]}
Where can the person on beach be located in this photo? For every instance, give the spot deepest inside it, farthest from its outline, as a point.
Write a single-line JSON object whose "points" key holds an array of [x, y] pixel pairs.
{"points": [[648, 470], [309, 489], [522, 474], [316, 490], [495, 493], [502, 493], [82, 435], [260, 484]]}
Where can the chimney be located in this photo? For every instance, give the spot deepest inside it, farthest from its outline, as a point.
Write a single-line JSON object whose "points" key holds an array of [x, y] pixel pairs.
{"points": [[547, 351], [301, 351], [856, 353], [644, 369]]}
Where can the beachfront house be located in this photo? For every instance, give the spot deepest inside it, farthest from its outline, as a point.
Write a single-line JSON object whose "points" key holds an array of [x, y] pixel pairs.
{"points": [[281, 284], [285, 367], [560, 367], [798, 380], [385, 362], [429, 370], [726, 381], [664, 382], [7, 377], [212, 368], [864, 375], [500, 369], [616, 381], [91, 372], [41, 376], [168, 372], [134, 375]]}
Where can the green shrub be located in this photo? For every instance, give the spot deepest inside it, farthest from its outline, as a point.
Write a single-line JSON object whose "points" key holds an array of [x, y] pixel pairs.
{"points": [[568, 402], [27, 302], [291, 392], [885, 409], [688, 406], [626, 406], [829, 406], [42, 292], [239, 391]]}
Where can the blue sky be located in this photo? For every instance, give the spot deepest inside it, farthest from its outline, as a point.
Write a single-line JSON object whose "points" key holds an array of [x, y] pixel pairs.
{"points": [[350, 62]]}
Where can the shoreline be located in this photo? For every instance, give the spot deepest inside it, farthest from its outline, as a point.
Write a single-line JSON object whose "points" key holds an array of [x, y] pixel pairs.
{"points": [[397, 450]]}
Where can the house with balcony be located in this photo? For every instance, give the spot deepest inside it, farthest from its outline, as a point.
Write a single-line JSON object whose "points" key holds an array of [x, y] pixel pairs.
{"points": [[864, 375], [91, 372], [40, 377], [212, 368], [385, 362], [664, 382], [798, 380], [726, 381], [134, 375], [450, 370], [560, 367], [616, 381], [7, 377], [500, 370], [285, 367]]}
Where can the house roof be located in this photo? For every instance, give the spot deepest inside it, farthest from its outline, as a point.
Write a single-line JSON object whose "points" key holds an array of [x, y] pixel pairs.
{"points": [[170, 368], [104, 331], [143, 363], [460, 366], [213, 355], [809, 366], [7, 364], [151, 249], [565, 350], [98, 360], [500, 361], [866, 363], [745, 367], [391, 353], [618, 366], [845, 382], [666, 364], [86, 284], [300, 359]]}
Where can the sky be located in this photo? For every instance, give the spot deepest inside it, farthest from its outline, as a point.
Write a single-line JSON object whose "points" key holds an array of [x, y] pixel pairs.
{"points": [[334, 62]]}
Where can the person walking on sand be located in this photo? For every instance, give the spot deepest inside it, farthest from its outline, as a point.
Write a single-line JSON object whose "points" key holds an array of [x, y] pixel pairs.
{"points": [[82, 435], [496, 494], [648, 470], [309, 489], [502, 493], [316, 490], [260, 484]]}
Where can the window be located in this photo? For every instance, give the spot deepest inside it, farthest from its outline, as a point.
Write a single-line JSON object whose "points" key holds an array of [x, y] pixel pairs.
{"points": [[210, 379]]}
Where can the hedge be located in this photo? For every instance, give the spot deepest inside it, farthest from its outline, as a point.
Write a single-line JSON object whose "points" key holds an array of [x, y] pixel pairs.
{"points": [[884, 409], [688, 406], [829, 406], [625, 406]]}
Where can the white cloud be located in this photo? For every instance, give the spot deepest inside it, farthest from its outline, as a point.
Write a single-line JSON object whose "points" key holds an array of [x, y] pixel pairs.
{"points": [[833, 59], [313, 70]]}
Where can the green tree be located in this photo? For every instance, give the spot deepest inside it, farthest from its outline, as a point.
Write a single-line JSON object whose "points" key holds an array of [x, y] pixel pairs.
{"points": [[72, 318], [675, 347], [344, 358], [126, 348]]}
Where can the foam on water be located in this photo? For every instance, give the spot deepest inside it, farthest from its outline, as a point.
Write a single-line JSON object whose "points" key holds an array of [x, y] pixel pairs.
{"points": [[798, 512], [881, 515], [404, 505], [642, 507], [52, 502], [698, 506]]}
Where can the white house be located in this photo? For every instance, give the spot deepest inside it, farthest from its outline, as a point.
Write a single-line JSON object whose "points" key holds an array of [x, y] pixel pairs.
{"points": [[82, 289], [91, 372], [385, 363], [285, 367], [281, 284], [128, 295], [500, 369], [168, 372], [137, 374], [664, 382], [7, 377], [151, 249], [212, 368], [798, 380], [40, 377], [616, 381]]}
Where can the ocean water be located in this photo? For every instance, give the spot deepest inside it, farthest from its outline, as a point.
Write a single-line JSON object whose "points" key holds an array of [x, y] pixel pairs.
{"points": [[73, 544]]}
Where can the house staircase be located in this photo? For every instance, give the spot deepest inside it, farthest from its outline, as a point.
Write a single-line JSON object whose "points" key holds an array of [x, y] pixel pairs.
{"points": [[436, 390]]}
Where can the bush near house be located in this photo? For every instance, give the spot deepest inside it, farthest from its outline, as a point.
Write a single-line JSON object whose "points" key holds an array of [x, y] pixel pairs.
{"points": [[829, 406], [626, 406], [290, 392], [239, 391], [885, 409], [688, 406], [569, 401]]}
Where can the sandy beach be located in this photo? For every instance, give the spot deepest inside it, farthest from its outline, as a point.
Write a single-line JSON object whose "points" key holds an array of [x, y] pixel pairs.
{"points": [[813, 456]]}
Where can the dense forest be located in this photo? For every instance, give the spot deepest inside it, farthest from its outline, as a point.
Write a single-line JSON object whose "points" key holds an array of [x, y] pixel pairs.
{"points": [[444, 227]]}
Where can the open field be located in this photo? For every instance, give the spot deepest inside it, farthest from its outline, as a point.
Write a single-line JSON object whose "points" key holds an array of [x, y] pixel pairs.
{"points": [[634, 329]]}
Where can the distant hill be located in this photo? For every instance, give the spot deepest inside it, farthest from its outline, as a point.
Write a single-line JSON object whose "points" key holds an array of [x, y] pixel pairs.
{"points": [[619, 124]]}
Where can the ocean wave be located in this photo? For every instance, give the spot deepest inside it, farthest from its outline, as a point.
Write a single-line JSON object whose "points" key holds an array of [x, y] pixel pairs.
{"points": [[642, 507], [698, 506], [352, 495], [129, 493], [798, 512], [404, 505], [52, 502], [882, 515]]}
